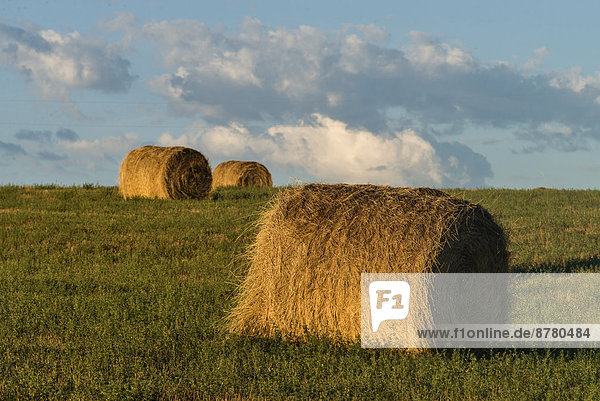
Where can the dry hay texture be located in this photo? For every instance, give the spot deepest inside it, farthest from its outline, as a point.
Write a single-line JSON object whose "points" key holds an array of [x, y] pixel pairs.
{"points": [[241, 174], [174, 172], [316, 240]]}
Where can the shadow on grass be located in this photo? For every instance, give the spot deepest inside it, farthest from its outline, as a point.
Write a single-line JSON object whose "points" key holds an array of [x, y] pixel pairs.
{"points": [[237, 193], [315, 349], [584, 265]]}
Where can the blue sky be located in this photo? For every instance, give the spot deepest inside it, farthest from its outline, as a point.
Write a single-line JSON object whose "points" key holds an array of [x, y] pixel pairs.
{"points": [[434, 93]]}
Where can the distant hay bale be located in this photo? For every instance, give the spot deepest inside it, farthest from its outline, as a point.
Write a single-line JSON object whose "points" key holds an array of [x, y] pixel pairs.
{"points": [[172, 172], [241, 174], [316, 240]]}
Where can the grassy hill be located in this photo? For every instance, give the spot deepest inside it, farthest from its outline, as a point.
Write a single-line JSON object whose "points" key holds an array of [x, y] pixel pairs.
{"points": [[102, 298]]}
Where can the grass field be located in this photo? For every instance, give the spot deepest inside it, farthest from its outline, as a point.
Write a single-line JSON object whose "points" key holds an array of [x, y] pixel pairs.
{"points": [[102, 298]]}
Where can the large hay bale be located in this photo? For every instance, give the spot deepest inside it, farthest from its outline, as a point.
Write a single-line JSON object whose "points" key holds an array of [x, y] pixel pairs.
{"points": [[241, 174], [316, 240], [174, 172]]}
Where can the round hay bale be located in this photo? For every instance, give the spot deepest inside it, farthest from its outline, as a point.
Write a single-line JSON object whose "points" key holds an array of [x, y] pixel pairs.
{"points": [[316, 240], [172, 172], [241, 174]]}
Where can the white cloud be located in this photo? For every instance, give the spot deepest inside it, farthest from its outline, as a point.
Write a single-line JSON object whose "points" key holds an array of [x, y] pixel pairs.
{"points": [[431, 54], [58, 63], [99, 152], [535, 62], [124, 23], [272, 75], [264, 73], [370, 32], [225, 141], [575, 80], [330, 150], [278, 75]]}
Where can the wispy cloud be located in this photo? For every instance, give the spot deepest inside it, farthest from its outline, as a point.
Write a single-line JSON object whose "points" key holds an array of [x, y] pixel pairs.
{"points": [[51, 156], [66, 134], [535, 62], [11, 149], [33, 135], [557, 136], [65, 149]]}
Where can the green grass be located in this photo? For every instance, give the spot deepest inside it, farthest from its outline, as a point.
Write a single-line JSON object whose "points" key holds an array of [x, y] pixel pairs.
{"points": [[102, 298]]}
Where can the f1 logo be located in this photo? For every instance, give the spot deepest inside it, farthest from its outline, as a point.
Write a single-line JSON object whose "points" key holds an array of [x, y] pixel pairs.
{"points": [[389, 301]]}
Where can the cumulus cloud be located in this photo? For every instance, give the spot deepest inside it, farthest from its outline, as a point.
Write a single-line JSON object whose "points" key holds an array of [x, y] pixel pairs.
{"points": [[575, 81], [278, 75], [330, 150], [59, 63], [430, 54], [272, 74], [368, 112]]}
